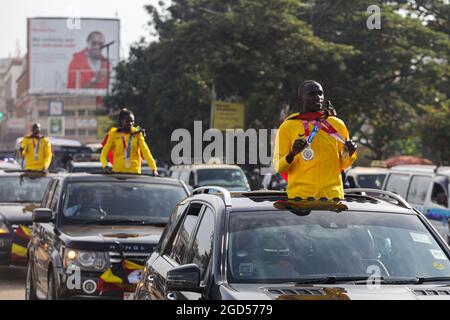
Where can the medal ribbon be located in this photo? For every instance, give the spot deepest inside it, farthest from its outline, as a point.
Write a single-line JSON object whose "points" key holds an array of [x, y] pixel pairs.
{"points": [[330, 130], [36, 147], [310, 138], [127, 150]]}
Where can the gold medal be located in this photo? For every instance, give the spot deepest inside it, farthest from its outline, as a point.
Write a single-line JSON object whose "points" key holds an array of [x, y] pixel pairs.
{"points": [[127, 164]]}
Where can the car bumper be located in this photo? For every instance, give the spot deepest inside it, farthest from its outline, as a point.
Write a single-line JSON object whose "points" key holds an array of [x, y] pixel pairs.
{"points": [[83, 290]]}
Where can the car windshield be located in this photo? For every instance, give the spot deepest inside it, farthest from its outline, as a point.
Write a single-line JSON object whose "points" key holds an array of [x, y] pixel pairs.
{"points": [[374, 181], [22, 189], [120, 202], [221, 177], [279, 246]]}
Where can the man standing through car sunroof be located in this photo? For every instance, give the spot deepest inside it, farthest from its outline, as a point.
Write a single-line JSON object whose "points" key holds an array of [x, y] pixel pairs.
{"points": [[313, 147], [36, 150], [128, 146]]}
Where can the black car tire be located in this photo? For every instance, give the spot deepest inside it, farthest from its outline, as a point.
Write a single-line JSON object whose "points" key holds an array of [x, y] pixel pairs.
{"points": [[30, 291], [51, 288]]}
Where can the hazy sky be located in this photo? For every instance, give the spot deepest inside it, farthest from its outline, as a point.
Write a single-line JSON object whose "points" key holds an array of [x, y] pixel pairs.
{"points": [[13, 15]]}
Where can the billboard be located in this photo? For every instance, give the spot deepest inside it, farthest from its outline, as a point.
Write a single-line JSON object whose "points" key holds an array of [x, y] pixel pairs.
{"points": [[227, 115], [72, 59]]}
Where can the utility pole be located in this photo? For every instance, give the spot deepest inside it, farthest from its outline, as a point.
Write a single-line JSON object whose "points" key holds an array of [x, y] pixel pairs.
{"points": [[107, 62]]}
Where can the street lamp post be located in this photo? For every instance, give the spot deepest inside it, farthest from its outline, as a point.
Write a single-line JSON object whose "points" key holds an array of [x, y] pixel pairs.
{"points": [[108, 64]]}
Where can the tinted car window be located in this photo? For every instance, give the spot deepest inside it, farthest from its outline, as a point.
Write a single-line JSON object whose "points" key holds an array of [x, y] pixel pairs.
{"points": [[55, 197], [398, 183], [221, 177], [91, 201], [418, 189], [183, 236], [279, 245], [22, 188], [439, 196], [179, 209], [374, 181], [203, 242]]}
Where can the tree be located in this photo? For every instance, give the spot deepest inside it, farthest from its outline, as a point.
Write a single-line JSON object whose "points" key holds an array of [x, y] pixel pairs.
{"points": [[258, 51], [382, 82]]}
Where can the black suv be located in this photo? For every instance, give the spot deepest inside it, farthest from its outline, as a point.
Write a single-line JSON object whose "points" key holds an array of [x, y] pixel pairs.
{"points": [[261, 245], [20, 193], [93, 234]]}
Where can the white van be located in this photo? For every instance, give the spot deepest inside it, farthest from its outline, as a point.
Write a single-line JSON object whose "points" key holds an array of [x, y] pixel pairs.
{"points": [[427, 189]]}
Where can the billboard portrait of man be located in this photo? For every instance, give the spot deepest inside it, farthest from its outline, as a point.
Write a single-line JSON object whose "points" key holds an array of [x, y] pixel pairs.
{"points": [[88, 68]]}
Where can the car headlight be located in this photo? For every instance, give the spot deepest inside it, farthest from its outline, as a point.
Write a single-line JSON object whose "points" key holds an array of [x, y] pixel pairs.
{"points": [[3, 228], [86, 260]]}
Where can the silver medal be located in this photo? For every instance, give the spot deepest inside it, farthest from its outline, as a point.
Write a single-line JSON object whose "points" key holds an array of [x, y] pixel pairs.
{"points": [[308, 154], [127, 164]]}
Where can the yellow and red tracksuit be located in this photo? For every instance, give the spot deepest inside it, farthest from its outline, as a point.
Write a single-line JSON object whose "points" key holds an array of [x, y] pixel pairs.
{"points": [[118, 143], [321, 176], [31, 144]]}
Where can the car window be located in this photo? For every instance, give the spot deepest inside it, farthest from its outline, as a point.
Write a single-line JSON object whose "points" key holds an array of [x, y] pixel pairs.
{"points": [[439, 196], [374, 181], [398, 183], [47, 193], [87, 202], [222, 177], [276, 246], [181, 240], [178, 211], [22, 188], [55, 196], [418, 189], [203, 242]]}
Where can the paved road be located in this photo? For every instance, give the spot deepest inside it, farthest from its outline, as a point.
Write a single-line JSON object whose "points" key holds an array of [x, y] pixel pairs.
{"points": [[12, 283]]}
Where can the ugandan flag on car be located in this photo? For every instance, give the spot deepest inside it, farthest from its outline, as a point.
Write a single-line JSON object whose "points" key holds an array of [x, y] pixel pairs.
{"points": [[19, 245], [122, 276]]}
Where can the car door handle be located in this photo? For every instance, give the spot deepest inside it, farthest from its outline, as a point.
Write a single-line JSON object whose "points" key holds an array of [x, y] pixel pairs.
{"points": [[170, 295]]}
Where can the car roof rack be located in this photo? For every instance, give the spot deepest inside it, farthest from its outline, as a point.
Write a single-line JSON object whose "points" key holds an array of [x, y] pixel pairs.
{"points": [[61, 170], [225, 192], [402, 202], [265, 195]]}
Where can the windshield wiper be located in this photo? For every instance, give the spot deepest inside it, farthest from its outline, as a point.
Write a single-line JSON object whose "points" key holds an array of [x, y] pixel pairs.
{"points": [[358, 280], [421, 280], [123, 221], [329, 280]]}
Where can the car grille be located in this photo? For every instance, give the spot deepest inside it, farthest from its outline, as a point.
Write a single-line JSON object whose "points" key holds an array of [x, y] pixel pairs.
{"points": [[295, 291], [428, 292], [137, 257]]}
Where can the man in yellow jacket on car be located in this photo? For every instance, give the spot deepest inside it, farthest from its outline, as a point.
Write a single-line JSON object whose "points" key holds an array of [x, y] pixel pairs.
{"points": [[128, 145], [312, 148], [36, 150]]}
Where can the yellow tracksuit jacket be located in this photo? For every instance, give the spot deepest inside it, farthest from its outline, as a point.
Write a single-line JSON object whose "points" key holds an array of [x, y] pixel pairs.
{"points": [[42, 162], [138, 147], [320, 177]]}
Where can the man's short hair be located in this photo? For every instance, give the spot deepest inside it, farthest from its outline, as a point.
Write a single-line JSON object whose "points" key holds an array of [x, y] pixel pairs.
{"points": [[124, 112], [301, 89], [93, 33]]}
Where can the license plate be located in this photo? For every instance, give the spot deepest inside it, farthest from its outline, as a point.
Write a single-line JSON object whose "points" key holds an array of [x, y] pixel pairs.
{"points": [[128, 296]]}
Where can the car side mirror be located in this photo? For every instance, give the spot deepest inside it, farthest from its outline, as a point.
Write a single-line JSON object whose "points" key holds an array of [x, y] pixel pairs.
{"points": [[42, 215], [184, 278]]}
